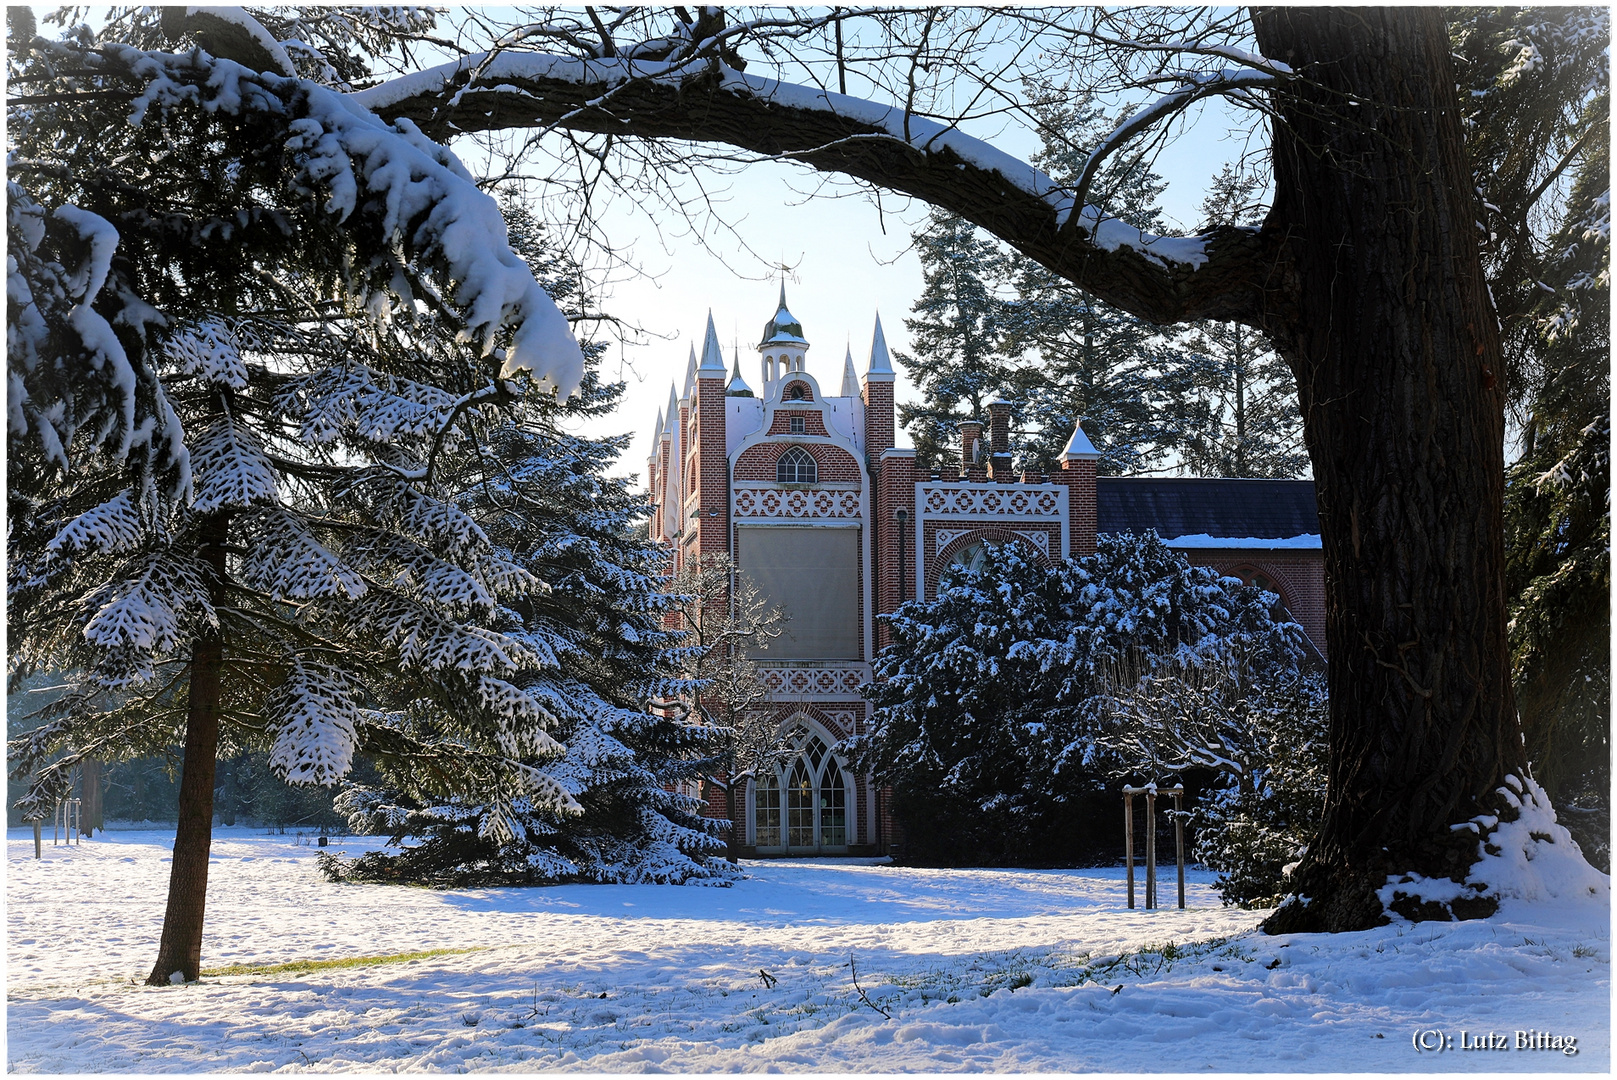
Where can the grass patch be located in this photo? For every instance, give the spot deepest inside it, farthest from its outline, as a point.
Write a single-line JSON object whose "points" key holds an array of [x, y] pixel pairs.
{"points": [[299, 967]]}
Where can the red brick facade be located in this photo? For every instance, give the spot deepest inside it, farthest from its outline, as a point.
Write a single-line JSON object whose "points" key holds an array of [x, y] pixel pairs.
{"points": [[707, 480]]}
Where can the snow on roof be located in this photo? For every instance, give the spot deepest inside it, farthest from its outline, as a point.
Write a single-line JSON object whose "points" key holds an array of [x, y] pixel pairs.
{"points": [[783, 329], [712, 359], [1230, 511], [1079, 445], [881, 365], [1304, 541], [737, 386]]}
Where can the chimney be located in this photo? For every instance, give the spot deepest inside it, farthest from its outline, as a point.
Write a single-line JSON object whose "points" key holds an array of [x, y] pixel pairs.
{"points": [[971, 435], [999, 441]]}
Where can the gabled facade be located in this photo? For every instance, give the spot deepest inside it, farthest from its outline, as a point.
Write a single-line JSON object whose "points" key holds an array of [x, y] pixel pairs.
{"points": [[811, 498]]}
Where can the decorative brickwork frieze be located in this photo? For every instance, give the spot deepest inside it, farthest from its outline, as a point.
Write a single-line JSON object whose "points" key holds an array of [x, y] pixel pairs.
{"points": [[773, 501]]}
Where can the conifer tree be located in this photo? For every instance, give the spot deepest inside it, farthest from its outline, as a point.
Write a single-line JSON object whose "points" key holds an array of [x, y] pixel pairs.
{"points": [[1558, 515], [247, 325], [991, 702], [1093, 361], [1234, 398], [596, 603], [1538, 130], [955, 332]]}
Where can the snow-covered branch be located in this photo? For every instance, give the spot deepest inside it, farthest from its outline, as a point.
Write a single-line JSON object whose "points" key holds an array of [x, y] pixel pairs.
{"points": [[1161, 278]]}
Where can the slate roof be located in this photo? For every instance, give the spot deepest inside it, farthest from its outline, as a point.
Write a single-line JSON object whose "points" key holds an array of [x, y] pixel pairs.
{"points": [[1187, 506]]}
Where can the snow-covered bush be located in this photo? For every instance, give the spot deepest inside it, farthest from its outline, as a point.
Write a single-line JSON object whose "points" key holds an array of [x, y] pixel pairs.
{"points": [[996, 716], [1254, 825]]}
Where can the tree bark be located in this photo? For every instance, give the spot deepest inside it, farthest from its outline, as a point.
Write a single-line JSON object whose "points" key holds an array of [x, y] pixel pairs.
{"points": [[90, 792], [1395, 346], [180, 949]]}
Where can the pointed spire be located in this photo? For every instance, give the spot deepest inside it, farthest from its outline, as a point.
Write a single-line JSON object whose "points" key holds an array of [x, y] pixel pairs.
{"points": [[737, 386], [850, 380], [1079, 448], [673, 411], [690, 376], [657, 433], [712, 358], [881, 365]]}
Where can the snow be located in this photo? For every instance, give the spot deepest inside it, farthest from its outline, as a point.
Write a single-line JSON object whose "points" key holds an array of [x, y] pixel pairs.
{"points": [[1079, 445], [1003, 970], [430, 202], [891, 121], [1204, 540]]}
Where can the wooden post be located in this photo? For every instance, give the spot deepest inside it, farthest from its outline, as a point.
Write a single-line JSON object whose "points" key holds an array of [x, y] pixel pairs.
{"points": [[37, 834], [1179, 839], [1128, 838], [1150, 849]]}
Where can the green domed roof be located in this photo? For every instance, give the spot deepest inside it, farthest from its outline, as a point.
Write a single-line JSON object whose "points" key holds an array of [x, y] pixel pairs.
{"points": [[783, 329]]}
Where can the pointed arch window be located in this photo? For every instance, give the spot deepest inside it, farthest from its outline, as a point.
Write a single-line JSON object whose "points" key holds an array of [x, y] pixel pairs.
{"points": [[796, 466], [801, 802]]}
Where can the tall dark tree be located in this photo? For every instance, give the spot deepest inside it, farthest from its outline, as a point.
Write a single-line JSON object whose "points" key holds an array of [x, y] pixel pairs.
{"points": [[1082, 357], [1233, 396], [955, 335]]}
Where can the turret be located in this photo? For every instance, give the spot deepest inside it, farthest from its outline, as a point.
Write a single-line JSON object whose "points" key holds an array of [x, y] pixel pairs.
{"points": [[783, 348], [879, 432]]}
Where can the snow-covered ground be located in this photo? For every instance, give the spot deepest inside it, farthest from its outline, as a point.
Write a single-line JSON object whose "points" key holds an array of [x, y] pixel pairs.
{"points": [[1005, 970]]}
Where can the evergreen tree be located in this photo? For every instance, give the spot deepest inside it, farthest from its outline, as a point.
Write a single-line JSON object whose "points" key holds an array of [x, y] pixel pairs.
{"points": [[1558, 517], [955, 333], [1093, 361], [1234, 398], [1537, 101], [595, 607], [991, 700], [246, 326]]}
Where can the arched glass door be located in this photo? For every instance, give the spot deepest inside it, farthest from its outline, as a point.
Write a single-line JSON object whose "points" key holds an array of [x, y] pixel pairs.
{"points": [[801, 805]]}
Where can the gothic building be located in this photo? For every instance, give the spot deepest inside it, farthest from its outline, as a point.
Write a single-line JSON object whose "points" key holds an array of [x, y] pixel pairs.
{"points": [[810, 496]]}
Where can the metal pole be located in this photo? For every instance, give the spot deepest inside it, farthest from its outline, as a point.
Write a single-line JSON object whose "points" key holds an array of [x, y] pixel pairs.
{"points": [[37, 833], [1128, 839], [1179, 840], [1150, 850]]}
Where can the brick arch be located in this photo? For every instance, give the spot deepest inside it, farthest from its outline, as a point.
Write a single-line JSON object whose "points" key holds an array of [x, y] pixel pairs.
{"points": [[835, 465], [801, 387], [1247, 568], [991, 533]]}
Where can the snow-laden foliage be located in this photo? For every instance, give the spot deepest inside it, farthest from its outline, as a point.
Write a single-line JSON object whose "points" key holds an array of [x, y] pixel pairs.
{"points": [[247, 324], [1551, 276], [581, 598], [994, 704]]}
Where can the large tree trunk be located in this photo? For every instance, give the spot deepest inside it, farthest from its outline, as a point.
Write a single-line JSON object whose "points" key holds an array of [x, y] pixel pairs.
{"points": [[180, 949], [1396, 350]]}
